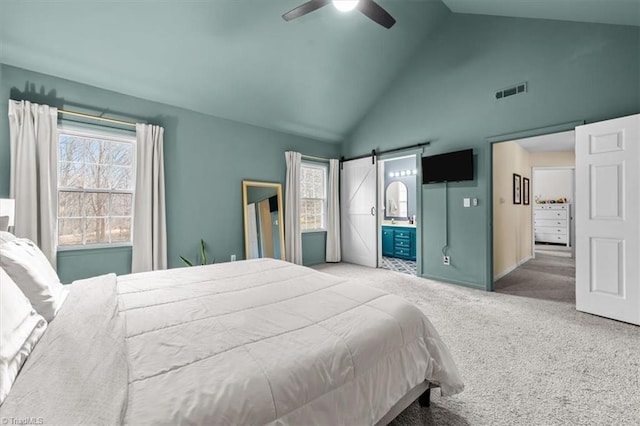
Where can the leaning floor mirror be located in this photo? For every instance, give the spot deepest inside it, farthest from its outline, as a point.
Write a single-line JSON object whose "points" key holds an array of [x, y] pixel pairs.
{"points": [[263, 226]]}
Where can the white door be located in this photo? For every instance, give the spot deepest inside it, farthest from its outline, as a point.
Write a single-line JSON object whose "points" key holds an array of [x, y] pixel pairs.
{"points": [[358, 212], [607, 219]]}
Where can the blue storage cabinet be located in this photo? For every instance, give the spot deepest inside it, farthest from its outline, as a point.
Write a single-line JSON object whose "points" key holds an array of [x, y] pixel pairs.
{"points": [[399, 241], [387, 241]]}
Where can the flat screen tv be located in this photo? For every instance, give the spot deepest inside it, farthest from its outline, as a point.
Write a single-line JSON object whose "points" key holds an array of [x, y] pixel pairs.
{"points": [[450, 167]]}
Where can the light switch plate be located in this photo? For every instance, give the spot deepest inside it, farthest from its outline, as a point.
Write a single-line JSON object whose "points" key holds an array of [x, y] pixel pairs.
{"points": [[467, 202]]}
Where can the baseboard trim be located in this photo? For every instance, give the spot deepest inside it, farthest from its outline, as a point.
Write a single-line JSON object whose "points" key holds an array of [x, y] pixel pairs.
{"points": [[511, 268], [457, 282]]}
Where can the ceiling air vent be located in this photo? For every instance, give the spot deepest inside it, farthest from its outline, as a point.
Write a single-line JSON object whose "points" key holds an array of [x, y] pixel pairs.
{"points": [[510, 91]]}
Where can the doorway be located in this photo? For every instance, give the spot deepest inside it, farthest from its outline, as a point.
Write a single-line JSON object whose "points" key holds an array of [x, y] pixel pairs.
{"points": [[398, 212], [553, 190], [533, 232]]}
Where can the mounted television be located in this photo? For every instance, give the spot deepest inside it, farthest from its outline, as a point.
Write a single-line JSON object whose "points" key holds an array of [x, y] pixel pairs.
{"points": [[450, 167]]}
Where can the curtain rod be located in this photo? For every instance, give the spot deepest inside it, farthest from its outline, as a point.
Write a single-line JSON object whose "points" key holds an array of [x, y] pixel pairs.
{"points": [[375, 153], [95, 117], [313, 157]]}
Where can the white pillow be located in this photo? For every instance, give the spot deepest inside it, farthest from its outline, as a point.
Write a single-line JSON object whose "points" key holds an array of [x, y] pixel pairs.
{"points": [[6, 236], [20, 329], [32, 272]]}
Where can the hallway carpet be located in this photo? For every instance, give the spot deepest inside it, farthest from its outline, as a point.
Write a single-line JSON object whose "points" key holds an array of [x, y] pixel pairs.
{"points": [[545, 277], [525, 361]]}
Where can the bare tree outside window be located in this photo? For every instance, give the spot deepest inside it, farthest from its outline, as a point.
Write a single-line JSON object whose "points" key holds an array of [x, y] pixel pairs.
{"points": [[95, 189], [313, 198]]}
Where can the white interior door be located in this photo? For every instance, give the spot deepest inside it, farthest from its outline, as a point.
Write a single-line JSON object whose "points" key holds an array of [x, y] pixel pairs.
{"points": [[607, 219], [358, 212]]}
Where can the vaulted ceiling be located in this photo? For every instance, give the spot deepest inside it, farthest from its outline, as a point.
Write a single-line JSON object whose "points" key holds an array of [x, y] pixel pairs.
{"points": [[316, 76]]}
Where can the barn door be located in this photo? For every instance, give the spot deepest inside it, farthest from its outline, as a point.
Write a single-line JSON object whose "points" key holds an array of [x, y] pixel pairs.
{"points": [[358, 212]]}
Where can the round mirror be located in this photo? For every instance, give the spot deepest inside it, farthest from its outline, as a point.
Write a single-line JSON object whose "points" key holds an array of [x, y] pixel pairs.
{"points": [[396, 200]]}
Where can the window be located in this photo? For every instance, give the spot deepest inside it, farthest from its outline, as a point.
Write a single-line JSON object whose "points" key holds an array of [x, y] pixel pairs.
{"points": [[313, 197], [96, 181]]}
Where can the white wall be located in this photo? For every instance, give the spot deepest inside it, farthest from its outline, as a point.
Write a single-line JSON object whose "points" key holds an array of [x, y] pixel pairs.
{"points": [[552, 159], [553, 184]]}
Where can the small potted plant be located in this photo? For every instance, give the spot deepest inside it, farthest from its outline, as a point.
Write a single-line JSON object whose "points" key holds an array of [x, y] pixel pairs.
{"points": [[203, 256]]}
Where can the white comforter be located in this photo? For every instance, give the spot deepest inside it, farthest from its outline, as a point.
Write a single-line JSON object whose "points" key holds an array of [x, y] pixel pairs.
{"points": [[268, 342]]}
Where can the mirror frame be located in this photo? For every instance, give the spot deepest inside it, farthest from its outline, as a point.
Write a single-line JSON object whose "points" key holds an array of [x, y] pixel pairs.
{"points": [[278, 186], [386, 200]]}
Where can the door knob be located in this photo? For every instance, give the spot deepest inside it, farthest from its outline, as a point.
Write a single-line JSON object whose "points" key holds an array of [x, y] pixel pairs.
{"points": [[373, 211]]}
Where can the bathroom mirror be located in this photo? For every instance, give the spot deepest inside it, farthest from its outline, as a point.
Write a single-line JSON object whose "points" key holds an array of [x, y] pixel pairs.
{"points": [[263, 226], [396, 200]]}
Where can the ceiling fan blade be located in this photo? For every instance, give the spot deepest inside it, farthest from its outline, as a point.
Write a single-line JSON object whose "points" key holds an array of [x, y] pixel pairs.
{"points": [[303, 9], [376, 13]]}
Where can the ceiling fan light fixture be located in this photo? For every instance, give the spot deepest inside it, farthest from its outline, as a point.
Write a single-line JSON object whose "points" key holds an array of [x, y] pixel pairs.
{"points": [[345, 5]]}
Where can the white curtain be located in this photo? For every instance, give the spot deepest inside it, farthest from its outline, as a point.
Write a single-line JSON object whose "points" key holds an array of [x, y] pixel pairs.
{"points": [[149, 251], [333, 212], [33, 133], [293, 234]]}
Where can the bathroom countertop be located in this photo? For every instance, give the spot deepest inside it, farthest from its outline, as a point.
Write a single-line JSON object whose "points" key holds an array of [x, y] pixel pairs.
{"points": [[402, 224]]}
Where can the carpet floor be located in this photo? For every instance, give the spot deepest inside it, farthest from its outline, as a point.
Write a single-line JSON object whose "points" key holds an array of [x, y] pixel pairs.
{"points": [[553, 249], [546, 277], [525, 361]]}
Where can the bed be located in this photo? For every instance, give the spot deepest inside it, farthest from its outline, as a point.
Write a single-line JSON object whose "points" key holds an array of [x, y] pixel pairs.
{"points": [[254, 342]]}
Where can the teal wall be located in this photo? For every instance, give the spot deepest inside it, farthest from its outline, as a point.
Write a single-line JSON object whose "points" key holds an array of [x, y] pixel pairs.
{"points": [[314, 244], [445, 95], [206, 159], [76, 264]]}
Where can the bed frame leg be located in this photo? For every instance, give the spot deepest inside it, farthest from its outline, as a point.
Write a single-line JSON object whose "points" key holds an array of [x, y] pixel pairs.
{"points": [[425, 398]]}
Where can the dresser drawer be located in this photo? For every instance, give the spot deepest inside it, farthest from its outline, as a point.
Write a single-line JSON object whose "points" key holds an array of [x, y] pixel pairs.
{"points": [[552, 207], [550, 214], [550, 230], [403, 252], [402, 234], [552, 238], [400, 242], [560, 223]]}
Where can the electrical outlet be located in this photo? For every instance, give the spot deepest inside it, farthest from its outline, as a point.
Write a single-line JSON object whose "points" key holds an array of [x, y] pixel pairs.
{"points": [[233, 257], [446, 260]]}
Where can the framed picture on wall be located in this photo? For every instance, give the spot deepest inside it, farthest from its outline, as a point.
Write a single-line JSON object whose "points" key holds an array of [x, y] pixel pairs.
{"points": [[525, 191], [517, 193]]}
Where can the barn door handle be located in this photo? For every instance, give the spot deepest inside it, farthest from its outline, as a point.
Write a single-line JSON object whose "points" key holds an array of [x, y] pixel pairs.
{"points": [[373, 211]]}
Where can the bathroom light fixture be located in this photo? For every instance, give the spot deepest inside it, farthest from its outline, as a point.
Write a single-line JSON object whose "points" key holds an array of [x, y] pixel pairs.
{"points": [[415, 171], [402, 173], [390, 174], [345, 5]]}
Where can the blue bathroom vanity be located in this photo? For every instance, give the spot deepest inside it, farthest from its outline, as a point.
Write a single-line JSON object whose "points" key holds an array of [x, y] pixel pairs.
{"points": [[399, 241]]}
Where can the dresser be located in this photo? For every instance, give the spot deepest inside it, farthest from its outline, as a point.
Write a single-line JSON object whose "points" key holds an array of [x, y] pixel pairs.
{"points": [[552, 223], [399, 241]]}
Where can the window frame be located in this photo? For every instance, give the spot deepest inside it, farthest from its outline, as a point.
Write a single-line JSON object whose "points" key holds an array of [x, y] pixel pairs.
{"points": [[325, 169], [102, 135]]}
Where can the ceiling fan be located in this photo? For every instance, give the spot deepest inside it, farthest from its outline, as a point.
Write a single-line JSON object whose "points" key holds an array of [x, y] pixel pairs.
{"points": [[369, 8]]}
